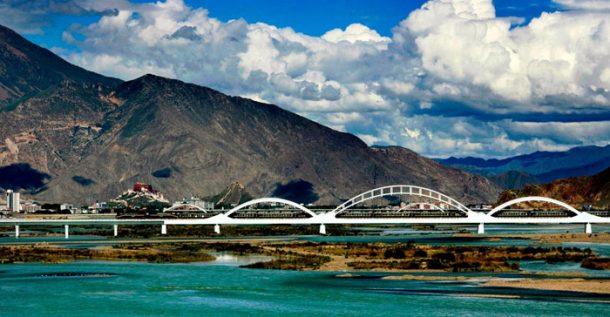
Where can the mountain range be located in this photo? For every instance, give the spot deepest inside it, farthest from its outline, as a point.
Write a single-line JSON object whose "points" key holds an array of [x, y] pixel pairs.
{"points": [[577, 191], [538, 167], [71, 135]]}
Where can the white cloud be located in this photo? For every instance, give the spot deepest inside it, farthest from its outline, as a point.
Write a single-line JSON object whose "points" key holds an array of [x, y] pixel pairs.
{"points": [[355, 33], [452, 80], [586, 4], [461, 42], [414, 134]]}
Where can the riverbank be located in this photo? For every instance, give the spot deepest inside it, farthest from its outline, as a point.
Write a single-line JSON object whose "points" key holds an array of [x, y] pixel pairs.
{"points": [[322, 256], [565, 282], [602, 237], [352, 258], [581, 285], [44, 253]]}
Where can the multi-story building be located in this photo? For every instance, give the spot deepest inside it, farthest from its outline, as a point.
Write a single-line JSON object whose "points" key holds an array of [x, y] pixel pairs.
{"points": [[12, 201]]}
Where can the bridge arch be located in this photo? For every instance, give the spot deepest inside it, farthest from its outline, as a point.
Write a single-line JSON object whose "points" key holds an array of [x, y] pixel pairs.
{"points": [[270, 200], [534, 198], [178, 206], [402, 190]]}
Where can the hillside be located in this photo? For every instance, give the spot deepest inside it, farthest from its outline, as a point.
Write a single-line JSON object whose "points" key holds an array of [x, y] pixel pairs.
{"points": [[27, 69], [87, 137], [514, 179], [576, 191], [538, 167]]}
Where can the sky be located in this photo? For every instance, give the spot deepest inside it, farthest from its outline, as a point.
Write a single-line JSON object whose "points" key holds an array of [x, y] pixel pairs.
{"points": [[441, 77]]}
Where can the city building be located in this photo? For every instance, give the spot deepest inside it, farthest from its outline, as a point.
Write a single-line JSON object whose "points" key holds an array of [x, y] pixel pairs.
{"points": [[28, 207], [12, 201], [141, 187], [207, 205], [65, 206]]}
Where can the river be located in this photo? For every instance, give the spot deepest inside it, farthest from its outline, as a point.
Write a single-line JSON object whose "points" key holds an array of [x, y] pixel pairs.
{"points": [[222, 288]]}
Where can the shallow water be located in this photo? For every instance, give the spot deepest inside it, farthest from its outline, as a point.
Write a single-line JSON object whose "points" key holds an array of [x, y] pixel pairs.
{"points": [[222, 288]]}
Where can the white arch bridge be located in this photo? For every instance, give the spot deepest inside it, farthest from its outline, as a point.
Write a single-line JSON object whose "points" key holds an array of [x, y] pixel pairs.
{"points": [[445, 210]]}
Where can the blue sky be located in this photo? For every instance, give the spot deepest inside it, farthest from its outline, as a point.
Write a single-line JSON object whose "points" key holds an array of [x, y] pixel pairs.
{"points": [[442, 77], [313, 17]]}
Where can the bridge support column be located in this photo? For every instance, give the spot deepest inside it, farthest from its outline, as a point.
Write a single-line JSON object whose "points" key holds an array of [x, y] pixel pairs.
{"points": [[588, 228], [322, 229], [16, 231], [116, 230], [163, 229], [217, 229], [67, 231], [481, 228]]}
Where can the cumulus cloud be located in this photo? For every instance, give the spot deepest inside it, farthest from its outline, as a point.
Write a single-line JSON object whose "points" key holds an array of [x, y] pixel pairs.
{"points": [[356, 33], [453, 78]]}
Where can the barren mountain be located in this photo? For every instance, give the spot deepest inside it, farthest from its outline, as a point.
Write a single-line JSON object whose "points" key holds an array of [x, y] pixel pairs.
{"points": [[88, 137], [576, 191]]}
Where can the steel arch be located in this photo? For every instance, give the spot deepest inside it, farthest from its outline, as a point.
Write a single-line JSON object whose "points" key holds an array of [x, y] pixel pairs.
{"points": [[270, 200], [534, 198], [174, 207], [402, 190]]}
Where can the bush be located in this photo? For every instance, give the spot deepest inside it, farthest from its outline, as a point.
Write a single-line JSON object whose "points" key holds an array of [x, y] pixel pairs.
{"points": [[394, 253], [445, 257], [596, 263], [420, 253]]}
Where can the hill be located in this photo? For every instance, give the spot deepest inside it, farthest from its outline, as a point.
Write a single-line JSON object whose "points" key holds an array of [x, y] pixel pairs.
{"points": [[576, 191], [86, 137], [27, 69]]}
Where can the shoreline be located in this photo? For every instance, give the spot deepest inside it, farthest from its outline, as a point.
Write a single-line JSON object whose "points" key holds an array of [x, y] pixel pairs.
{"points": [[577, 285], [347, 260]]}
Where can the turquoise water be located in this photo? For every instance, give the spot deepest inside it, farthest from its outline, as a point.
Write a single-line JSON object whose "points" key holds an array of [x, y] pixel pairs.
{"points": [[224, 289]]}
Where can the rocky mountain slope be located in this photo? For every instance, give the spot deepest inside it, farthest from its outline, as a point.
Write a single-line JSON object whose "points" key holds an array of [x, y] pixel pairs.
{"points": [[514, 179], [27, 69], [87, 137], [576, 191], [233, 195]]}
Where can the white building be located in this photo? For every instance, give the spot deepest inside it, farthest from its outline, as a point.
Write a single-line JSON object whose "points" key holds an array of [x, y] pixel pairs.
{"points": [[12, 201], [207, 205], [29, 207]]}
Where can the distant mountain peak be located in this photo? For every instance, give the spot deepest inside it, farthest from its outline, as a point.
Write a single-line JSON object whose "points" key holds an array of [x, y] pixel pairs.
{"points": [[155, 79], [545, 166], [27, 69], [119, 133]]}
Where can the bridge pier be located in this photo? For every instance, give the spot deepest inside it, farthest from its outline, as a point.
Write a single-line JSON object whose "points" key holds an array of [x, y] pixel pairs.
{"points": [[67, 231], [163, 229], [16, 231], [322, 229], [481, 228], [217, 229], [116, 230], [588, 228]]}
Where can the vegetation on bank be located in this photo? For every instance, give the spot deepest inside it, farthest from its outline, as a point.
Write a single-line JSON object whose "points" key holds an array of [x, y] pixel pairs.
{"points": [[318, 256], [596, 263], [41, 253], [409, 256]]}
